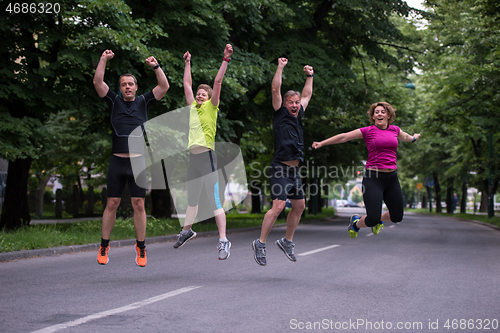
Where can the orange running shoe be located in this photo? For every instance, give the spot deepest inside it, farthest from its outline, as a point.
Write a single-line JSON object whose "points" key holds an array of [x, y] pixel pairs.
{"points": [[141, 258], [102, 256]]}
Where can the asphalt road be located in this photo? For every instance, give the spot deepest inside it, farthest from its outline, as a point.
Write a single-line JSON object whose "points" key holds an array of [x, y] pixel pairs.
{"points": [[416, 276]]}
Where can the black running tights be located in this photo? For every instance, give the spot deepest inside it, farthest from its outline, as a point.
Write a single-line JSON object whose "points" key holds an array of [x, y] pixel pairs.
{"points": [[378, 186]]}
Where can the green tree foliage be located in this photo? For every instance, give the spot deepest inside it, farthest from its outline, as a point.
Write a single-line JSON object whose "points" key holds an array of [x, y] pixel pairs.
{"points": [[48, 65], [359, 55], [460, 108]]}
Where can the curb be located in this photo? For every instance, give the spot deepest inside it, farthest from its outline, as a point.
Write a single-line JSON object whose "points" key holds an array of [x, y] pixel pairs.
{"points": [[68, 220], [466, 220], [55, 251], [479, 222]]}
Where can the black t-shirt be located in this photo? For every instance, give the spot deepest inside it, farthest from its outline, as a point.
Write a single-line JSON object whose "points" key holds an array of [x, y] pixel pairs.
{"points": [[126, 117], [288, 135]]}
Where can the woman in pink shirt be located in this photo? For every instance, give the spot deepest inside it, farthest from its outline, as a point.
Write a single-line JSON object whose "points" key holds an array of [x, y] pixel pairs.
{"points": [[380, 181]]}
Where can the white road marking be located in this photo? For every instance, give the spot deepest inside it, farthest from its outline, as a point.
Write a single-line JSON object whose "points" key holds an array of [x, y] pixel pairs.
{"points": [[115, 311], [317, 250], [370, 235], [392, 226]]}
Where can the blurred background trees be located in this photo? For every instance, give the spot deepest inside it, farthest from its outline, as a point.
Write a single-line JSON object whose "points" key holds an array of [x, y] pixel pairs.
{"points": [[363, 51]]}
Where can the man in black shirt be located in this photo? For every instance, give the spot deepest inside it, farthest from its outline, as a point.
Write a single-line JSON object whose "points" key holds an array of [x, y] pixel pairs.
{"points": [[126, 114], [288, 152]]}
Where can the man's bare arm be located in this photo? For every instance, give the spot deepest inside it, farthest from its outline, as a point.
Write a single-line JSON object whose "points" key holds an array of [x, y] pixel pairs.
{"points": [[100, 86]]}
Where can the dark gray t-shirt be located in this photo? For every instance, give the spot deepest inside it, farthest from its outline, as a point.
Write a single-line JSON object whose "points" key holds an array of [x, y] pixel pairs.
{"points": [[126, 117], [288, 135]]}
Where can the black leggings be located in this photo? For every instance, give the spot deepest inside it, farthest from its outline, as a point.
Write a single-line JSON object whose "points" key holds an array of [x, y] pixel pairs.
{"points": [[380, 186]]}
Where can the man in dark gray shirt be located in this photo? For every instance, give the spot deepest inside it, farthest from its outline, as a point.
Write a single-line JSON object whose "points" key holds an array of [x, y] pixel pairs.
{"points": [[126, 114], [288, 152]]}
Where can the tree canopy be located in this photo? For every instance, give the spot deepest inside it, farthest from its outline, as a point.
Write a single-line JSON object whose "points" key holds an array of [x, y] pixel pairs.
{"points": [[362, 51], [459, 105]]}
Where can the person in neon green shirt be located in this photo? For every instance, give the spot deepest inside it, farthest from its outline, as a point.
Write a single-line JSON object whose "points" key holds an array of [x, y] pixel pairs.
{"points": [[202, 167]]}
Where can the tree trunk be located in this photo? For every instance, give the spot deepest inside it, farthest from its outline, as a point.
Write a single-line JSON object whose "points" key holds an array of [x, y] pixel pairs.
{"points": [[495, 189], [449, 197], [484, 202], [40, 191], [483, 207], [463, 202], [162, 203], [437, 188], [59, 207], [90, 200], [81, 194], [255, 193], [76, 201], [314, 196], [161, 199], [15, 212]]}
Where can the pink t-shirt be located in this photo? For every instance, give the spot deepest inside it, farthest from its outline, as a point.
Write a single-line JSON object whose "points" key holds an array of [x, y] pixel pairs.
{"points": [[382, 146]]}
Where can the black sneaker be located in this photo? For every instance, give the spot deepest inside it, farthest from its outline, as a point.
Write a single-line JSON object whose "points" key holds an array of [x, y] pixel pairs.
{"points": [[259, 252], [287, 248], [182, 239]]}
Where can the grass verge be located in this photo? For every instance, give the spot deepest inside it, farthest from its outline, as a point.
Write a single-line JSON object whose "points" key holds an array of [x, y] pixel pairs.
{"points": [[42, 236], [495, 220]]}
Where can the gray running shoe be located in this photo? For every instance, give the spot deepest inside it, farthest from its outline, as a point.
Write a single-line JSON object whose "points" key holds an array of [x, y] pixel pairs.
{"points": [[259, 252], [182, 239], [223, 248], [287, 248]]}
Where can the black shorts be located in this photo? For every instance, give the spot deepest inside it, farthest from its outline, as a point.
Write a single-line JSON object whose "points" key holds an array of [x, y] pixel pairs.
{"points": [[285, 182], [202, 170], [120, 172]]}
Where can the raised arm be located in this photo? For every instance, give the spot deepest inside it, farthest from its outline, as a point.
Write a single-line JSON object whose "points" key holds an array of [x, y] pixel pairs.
{"points": [[187, 81], [276, 84], [308, 87], [339, 138], [162, 87], [100, 86], [403, 136], [228, 51]]}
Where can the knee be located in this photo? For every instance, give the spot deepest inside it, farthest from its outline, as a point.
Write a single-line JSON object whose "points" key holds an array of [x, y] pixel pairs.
{"points": [[299, 206], [112, 204], [278, 206], [397, 216], [138, 204], [218, 212], [371, 222], [396, 219], [192, 208]]}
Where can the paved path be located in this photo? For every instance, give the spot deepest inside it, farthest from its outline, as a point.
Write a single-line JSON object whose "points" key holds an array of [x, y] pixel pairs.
{"points": [[418, 275]]}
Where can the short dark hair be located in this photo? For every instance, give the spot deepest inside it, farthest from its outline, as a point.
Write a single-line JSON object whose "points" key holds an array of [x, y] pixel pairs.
{"points": [[127, 74]]}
